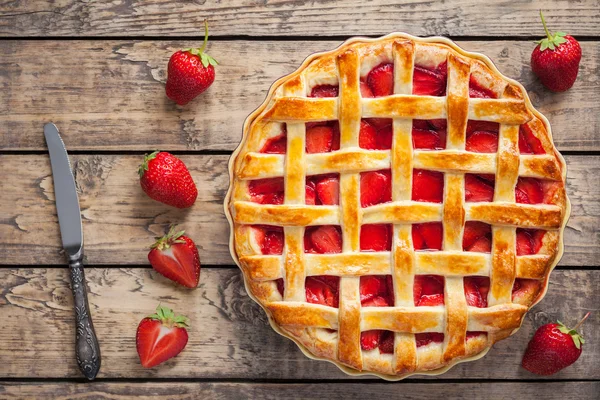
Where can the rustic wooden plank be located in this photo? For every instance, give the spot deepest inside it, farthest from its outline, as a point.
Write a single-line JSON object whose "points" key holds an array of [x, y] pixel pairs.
{"points": [[120, 221], [229, 333], [304, 18], [223, 390], [112, 97]]}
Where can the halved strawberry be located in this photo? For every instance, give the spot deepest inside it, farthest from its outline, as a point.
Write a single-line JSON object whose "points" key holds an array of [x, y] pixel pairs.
{"points": [[381, 80], [482, 142], [327, 239], [375, 188], [528, 142], [426, 139], [367, 137], [175, 256], [427, 186], [477, 189], [276, 145], [427, 236], [376, 237], [324, 91], [476, 290], [322, 291], [475, 230], [310, 195], [529, 191], [328, 190], [365, 90], [478, 91], [428, 290], [424, 339], [387, 342], [427, 82], [160, 336], [475, 125], [319, 139], [369, 340]]}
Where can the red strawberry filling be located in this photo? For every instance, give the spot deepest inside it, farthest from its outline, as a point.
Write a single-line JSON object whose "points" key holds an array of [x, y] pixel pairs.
{"points": [[323, 239], [427, 186], [324, 91], [478, 91], [380, 80], [322, 137], [377, 291], [428, 290], [376, 237], [529, 191], [479, 187], [277, 144], [528, 142], [482, 136], [376, 134], [529, 241], [523, 286], [323, 190], [429, 134], [267, 191], [270, 238], [474, 334], [375, 187], [476, 290], [477, 237], [430, 82], [427, 236], [323, 290], [424, 339]]}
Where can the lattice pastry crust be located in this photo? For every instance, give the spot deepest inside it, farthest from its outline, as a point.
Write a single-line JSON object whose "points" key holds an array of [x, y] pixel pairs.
{"points": [[334, 333]]}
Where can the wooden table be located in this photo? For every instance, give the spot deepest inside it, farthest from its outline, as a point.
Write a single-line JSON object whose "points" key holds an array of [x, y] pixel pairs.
{"points": [[97, 69]]}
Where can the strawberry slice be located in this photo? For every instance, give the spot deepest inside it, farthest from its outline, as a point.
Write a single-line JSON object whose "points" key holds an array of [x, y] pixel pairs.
{"points": [[524, 244], [478, 91], [376, 237], [427, 236], [365, 90], [427, 82], [379, 123], [310, 195], [385, 136], [474, 125], [477, 189], [522, 286], [474, 230], [367, 137], [160, 336], [428, 290], [175, 256], [482, 142], [319, 139], [377, 301], [324, 91], [273, 242], [276, 145], [327, 239], [476, 290], [427, 186], [528, 142], [537, 238], [370, 287], [322, 291], [387, 342], [482, 245], [381, 80], [375, 188], [423, 339], [369, 340], [328, 191], [438, 124], [426, 139], [266, 186], [529, 191]]}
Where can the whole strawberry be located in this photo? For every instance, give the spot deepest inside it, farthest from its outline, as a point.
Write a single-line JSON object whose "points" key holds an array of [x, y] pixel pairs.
{"points": [[175, 256], [555, 60], [165, 178], [190, 73], [552, 348], [160, 336]]}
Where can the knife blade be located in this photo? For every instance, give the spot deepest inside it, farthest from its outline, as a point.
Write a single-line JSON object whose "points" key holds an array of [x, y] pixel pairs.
{"points": [[87, 349]]}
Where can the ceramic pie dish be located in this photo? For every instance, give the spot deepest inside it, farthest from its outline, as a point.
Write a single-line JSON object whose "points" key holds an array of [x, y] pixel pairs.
{"points": [[396, 205]]}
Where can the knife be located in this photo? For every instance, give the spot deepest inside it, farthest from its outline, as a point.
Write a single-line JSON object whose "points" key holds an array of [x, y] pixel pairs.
{"points": [[87, 350]]}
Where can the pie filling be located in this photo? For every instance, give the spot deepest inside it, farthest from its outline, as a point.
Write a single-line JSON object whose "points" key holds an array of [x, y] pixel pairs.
{"points": [[375, 188]]}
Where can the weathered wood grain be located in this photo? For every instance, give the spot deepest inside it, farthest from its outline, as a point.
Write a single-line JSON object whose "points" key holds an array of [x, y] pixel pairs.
{"points": [[229, 333], [120, 221], [300, 17], [319, 391], [111, 95]]}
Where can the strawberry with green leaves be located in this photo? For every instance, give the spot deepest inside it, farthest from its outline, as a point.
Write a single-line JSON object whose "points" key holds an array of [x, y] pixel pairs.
{"points": [[555, 60], [161, 336], [552, 348], [190, 72]]}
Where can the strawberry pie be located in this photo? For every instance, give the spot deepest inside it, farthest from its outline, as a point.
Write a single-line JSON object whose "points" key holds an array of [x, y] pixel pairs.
{"points": [[396, 205]]}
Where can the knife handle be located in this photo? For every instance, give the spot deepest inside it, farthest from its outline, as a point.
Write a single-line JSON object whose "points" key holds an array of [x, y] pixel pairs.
{"points": [[87, 349]]}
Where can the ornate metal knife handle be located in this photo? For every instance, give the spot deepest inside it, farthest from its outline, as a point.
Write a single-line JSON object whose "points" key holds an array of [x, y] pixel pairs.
{"points": [[87, 349]]}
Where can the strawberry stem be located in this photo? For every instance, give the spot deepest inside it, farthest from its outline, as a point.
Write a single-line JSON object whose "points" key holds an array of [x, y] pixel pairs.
{"points": [[545, 27], [206, 36], [582, 321]]}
